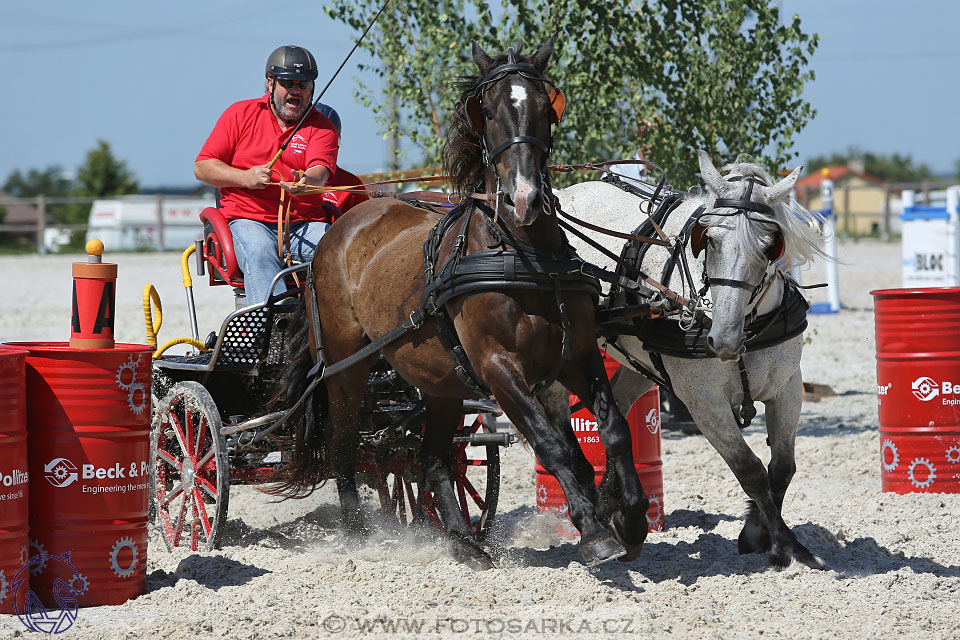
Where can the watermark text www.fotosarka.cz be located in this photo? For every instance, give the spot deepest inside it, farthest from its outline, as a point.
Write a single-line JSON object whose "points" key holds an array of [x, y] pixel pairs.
{"points": [[445, 626]]}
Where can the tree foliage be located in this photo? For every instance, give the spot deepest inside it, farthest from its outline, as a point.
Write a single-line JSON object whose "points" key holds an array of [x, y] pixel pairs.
{"points": [[49, 182], [894, 167], [722, 75]]}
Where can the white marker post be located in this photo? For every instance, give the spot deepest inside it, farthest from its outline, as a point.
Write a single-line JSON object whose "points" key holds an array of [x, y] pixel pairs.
{"points": [[830, 246]]}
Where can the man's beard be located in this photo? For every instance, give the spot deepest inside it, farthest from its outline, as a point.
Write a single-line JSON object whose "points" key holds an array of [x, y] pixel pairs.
{"points": [[286, 114]]}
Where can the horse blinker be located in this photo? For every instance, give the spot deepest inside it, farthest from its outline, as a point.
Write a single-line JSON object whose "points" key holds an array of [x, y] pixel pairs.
{"points": [[698, 239]]}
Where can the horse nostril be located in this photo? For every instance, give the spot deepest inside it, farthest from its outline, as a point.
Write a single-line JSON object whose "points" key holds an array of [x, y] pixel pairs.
{"points": [[508, 199]]}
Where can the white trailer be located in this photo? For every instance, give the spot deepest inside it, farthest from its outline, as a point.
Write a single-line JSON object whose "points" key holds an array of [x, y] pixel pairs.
{"points": [[137, 222]]}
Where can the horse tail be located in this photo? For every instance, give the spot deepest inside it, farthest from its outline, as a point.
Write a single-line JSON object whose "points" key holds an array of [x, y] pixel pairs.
{"points": [[306, 470]]}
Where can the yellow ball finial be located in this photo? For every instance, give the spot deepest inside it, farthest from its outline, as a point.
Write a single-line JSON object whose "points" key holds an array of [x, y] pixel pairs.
{"points": [[825, 172], [94, 247]]}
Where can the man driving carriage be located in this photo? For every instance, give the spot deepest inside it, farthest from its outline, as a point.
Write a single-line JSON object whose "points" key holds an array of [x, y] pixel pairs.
{"points": [[236, 156]]}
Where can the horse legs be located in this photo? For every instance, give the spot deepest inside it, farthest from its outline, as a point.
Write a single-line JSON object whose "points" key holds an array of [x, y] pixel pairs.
{"points": [[783, 414], [555, 454], [345, 393], [555, 401], [621, 484], [715, 419], [436, 453]]}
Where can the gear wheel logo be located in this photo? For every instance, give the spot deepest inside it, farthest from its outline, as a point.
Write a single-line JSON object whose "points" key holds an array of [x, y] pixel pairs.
{"points": [[654, 500], [931, 473], [3, 586], [115, 553], [60, 472], [127, 373], [894, 455], [653, 421], [925, 389], [542, 494], [137, 398], [79, 583], [24, 555], [953, 455], [39, 550]]}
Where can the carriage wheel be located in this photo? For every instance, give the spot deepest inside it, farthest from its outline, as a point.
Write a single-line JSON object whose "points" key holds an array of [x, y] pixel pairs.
{"points": [[476, 483], [191, 469]]}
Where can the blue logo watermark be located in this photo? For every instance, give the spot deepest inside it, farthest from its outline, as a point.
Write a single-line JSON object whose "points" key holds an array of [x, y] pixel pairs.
{"points": [[67, 587]]}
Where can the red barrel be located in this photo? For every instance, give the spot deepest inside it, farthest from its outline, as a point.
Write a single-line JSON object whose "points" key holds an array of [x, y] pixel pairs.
{"points": [[644, 421], [14, 474], [918, 388], [88, 435]]}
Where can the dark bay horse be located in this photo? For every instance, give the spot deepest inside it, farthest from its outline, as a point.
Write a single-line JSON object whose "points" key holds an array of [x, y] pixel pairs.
{"points": [[369, 271]]}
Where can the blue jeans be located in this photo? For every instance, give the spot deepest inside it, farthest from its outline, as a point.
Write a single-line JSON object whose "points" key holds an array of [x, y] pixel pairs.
{"points": [[255, 244]]}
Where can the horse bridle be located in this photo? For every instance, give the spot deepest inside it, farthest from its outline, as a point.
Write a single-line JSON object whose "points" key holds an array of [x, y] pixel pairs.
{"points": [[474, 109], [698, 235]]}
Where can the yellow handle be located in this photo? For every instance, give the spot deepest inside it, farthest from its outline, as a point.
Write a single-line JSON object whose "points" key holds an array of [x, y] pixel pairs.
{"points": [[275, 158], [190, 341], [185, 266], [150, 293]]}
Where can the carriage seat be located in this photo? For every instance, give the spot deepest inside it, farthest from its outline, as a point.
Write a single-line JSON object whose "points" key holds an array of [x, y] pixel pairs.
{"points": [[218, 250]]}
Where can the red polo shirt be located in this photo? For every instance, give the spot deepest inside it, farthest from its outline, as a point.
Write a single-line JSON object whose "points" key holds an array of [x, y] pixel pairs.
{"points": [[344, 200], [247, 135]]}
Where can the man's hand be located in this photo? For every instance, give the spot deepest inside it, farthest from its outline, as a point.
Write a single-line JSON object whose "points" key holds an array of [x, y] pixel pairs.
{"points": [[255, 177], [313, 177]]}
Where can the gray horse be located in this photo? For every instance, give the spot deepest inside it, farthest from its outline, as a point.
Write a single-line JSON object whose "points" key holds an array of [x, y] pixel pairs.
{"points": [[735, 244]]}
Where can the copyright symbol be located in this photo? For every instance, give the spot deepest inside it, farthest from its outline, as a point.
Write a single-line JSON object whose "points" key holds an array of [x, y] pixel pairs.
{"points": [[334, 623]]}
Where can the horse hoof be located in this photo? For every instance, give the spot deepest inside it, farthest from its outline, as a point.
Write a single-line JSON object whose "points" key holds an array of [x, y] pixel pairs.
{"points": [[780, 560], [753, 539], [812, 561], [600, 551], [467, 551], [633, 550]]}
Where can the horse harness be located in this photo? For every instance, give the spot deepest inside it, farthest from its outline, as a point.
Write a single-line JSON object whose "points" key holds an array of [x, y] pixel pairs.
{"points": [[688, 337], [509, 265]]}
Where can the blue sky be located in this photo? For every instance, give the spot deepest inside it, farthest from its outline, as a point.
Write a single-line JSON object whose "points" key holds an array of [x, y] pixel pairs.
{"points": [[151, 78]]}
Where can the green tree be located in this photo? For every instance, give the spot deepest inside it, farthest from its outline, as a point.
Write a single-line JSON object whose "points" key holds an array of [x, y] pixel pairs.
{"points": [[722, 75], [894, 167], [100, 175]]}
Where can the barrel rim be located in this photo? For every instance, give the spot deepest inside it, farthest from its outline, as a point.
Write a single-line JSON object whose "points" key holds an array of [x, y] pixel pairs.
{"points": [[54, 347], [913, 291]]}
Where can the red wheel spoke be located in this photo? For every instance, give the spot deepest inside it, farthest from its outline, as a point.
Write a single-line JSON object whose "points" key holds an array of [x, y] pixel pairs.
{"points": [[204, 461], [206, 486], [169, 459], [178, 432], [201, 433], [464, 483], [201, 510], [178, 524], [188, 425], [174, 492]]}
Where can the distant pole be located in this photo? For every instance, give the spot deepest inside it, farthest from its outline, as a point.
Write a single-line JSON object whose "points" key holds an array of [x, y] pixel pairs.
{"points": [[885, 226], [159, 222], [41, 223], [830, 246]]}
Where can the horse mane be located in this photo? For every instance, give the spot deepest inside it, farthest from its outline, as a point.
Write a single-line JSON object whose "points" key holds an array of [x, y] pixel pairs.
{"points": [[800, 227], [462, 151]]}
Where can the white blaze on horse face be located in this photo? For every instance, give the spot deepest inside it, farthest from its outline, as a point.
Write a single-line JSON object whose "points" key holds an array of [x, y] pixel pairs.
{"points": [[518, 93]]}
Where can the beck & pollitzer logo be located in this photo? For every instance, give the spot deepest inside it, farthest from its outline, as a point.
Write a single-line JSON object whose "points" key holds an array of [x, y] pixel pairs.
{"points": [[925, 389], [60, 472]]}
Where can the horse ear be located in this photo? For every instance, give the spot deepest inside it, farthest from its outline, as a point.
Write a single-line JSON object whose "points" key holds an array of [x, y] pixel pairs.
{"points": [[711, 176], [775, 250], [484, 62], [698, 239], [540, 59], [475, 112], [779, 191], [558, 102]]}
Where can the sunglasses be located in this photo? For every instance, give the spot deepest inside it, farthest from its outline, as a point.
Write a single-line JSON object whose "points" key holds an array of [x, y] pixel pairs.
{"points": [[290, 84]]}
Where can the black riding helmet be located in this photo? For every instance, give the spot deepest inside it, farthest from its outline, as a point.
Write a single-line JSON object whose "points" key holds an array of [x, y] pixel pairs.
{"points": [[292, 63]]}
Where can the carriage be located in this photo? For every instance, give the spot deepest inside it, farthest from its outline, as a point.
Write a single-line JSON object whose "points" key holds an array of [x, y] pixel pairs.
{"points": [[210, 431]]}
